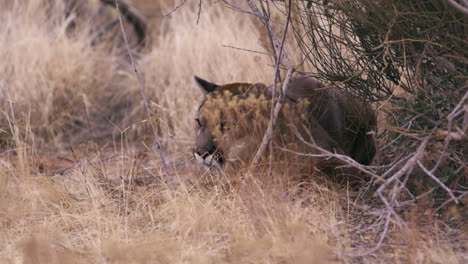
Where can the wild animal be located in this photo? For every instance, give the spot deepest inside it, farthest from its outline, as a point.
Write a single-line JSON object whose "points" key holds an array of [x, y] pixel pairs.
{"points": [[233, 118]]}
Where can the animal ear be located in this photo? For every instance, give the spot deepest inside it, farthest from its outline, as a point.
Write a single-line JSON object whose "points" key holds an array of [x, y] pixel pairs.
{"points": [[205, 86]]}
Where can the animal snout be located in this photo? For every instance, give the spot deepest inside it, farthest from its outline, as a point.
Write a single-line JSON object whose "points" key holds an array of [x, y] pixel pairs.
{"points": [[206, 157], [203, 156]]}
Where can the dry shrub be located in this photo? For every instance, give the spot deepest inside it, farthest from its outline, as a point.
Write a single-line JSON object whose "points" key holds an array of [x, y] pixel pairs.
{"points": [[409, 59]]}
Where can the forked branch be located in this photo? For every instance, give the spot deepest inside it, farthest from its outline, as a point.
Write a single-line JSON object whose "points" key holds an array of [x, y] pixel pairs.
{"points": [[269, 132]]}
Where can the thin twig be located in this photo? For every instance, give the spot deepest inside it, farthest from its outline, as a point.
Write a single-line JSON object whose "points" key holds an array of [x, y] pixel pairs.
{"points": [[249, 50], [409, 165], [142, 91], [438, 181], [237, 8], [133, 16], [379, 243], [177, 7], [450, 200], [277, 78], [264, 20], [199, 10], [450, 119], [327, 155]]}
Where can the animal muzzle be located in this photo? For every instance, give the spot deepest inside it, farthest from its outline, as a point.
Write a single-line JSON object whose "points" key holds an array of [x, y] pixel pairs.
{"points": [[211, 158]]}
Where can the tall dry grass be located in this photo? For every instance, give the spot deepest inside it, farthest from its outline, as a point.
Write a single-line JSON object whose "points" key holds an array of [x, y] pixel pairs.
{"points": [[56, 77], [50, 76], [92, 213]]}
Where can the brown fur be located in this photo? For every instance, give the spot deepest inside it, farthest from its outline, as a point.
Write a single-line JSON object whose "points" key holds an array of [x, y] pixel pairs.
{"points": [[233, 118]]}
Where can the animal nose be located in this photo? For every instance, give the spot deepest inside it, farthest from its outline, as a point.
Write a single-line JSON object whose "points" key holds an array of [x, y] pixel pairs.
{"points": [[202, 153], [203, 156]]}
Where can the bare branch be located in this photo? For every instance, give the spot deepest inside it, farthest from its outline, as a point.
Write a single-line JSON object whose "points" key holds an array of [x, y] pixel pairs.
{"points": [[450, 118], [328, 155], [409, 165], [278, 48], [268, 134], [237, 8], [450, 200], [265, 22], [438, 181], [177, 7], [458, 6]]}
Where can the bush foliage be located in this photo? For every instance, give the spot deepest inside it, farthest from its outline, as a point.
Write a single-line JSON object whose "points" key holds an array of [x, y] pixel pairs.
{"points": [[410, 59]]}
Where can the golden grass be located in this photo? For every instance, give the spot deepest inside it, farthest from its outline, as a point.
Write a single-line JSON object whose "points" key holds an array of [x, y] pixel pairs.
{"points": [[91, 213], [48, 75], [74, 217]]}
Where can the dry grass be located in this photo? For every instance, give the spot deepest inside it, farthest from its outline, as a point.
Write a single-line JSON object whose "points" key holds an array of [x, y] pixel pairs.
{"points": [[92, 213], [49, 76]]}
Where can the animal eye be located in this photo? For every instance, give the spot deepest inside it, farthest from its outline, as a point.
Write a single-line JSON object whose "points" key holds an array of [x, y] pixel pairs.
{"points": [[224, 126], [198, 122]]}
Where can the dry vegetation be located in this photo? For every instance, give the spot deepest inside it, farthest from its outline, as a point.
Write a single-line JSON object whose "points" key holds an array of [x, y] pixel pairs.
{"points": [[81, 181]]}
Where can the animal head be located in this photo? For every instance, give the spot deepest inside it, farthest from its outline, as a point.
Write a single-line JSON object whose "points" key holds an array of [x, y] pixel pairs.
{"points": [[224, 121]]}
